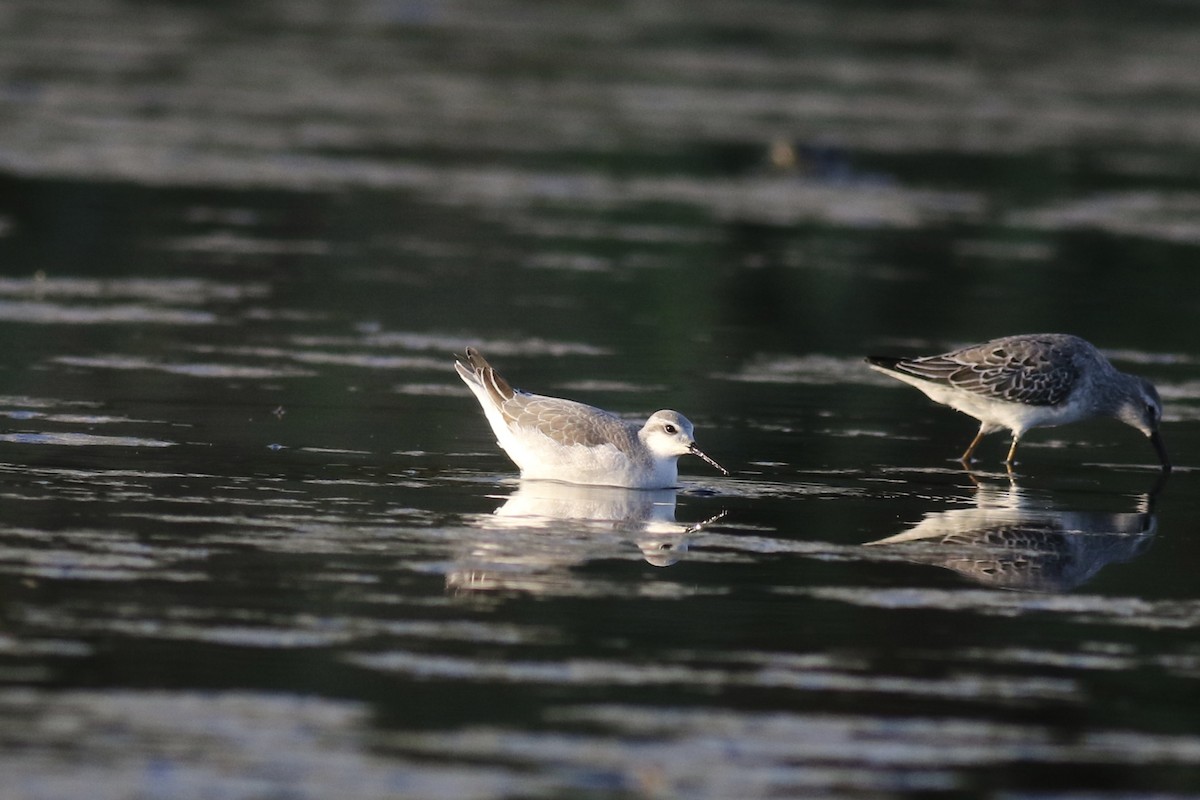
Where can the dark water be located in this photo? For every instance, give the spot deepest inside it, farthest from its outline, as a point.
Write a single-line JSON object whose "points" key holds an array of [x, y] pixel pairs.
{"points": [[257, 539]]}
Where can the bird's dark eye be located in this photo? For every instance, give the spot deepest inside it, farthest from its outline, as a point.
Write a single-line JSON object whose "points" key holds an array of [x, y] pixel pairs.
{"points": [[669, 428]]}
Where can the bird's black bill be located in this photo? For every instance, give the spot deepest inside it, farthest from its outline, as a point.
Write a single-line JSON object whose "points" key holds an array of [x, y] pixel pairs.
{"points": [[1156, 440], [696, 451]]}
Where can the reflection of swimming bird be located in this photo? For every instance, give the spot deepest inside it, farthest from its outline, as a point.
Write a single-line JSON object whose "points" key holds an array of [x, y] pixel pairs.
{"points": [[1006, 543], [554, 439], [588, 523], [1031, 381], [646, 517]]}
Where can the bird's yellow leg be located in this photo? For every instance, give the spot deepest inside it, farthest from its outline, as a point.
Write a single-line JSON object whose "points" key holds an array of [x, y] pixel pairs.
{"points": [[1012, 451], [971, 447]]}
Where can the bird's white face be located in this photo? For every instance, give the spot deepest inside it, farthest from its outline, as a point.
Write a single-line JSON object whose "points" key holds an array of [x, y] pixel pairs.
{"points": [[668, 433]]}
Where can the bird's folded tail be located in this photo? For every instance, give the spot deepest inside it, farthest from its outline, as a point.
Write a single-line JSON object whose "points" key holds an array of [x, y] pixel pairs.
{"points": [[932, 368], [477, 370], [883, 362]]}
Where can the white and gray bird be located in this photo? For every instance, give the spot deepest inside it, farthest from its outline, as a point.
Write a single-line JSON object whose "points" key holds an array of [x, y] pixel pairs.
{"points": [[1031, 381], [549, 438]]}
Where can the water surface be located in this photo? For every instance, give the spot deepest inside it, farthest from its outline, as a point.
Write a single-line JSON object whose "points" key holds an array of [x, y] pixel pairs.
{"points": [[259, 542]]}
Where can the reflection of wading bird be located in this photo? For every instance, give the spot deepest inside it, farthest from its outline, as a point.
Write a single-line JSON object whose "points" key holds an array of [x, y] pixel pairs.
{"points": [[1005, 543], [553, 439], [1031, 381]]}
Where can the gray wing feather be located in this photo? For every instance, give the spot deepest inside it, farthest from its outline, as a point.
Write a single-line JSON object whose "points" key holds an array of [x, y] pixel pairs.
{"points": [[1035, 371], [570, 423]]}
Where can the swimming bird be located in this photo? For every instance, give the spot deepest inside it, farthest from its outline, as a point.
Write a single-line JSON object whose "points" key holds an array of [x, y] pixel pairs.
{"points": [[554, 439], [1031, 381]]}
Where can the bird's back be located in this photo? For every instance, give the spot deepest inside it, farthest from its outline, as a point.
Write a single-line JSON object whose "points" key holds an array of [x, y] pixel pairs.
{"points": [[1030, 369]]}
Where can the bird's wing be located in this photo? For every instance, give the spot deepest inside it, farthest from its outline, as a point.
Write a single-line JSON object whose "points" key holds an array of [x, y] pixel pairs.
{"points": [[567, 422], [1017, 371]]}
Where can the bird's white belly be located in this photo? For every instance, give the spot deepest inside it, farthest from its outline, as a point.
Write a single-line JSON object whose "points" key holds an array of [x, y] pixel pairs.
{"points": [[541, 458], [996, 414]]}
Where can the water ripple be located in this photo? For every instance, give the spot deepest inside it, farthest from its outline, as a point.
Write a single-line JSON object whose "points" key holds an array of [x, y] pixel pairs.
{"points": [[997, 688], [124, 744], [83, 440], [57, 314], [195, 370], [182, 291], [813, 369], [1090, 609]]}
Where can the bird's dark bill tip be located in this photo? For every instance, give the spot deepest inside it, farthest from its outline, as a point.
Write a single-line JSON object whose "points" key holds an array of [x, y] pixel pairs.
{"points": [[1161, 449], [696, 451]]}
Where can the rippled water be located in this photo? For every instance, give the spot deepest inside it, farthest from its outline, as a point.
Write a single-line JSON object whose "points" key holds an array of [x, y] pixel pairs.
{"points": [[259, 542]]}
